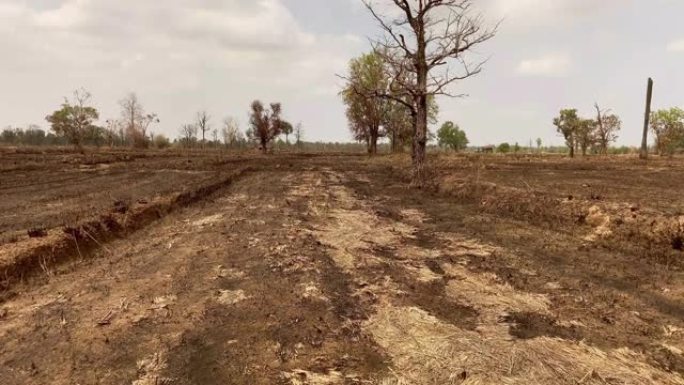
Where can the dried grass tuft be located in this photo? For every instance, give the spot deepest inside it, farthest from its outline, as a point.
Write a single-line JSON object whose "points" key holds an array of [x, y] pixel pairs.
{"points": [[425, 350]]}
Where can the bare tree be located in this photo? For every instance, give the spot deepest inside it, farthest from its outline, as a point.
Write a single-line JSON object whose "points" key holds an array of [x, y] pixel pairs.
{"points": [[607, 126], [203, 124], [425, 48], [299, 134], [136, 120], [231, 132], [188, 134]]}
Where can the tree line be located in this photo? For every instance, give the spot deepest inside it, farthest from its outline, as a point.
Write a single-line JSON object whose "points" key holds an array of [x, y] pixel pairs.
{"points": [[588, 134], [75, 123], [595, 135]]}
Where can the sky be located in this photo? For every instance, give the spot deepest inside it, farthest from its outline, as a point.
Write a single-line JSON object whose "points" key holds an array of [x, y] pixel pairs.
{"points": [[182, 56]]}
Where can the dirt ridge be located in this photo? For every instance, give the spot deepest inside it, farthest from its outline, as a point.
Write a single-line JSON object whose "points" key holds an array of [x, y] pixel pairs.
{"points": [[26, 258]]}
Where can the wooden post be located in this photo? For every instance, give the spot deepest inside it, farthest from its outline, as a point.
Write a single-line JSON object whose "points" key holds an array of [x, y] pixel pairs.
{"points": [[644, 140]]}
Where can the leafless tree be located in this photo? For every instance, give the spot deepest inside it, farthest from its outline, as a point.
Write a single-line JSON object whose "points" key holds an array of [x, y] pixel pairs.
{"points": [[231, 132], [425, 48], [203, 124], [136, 120], [299, 133], [188, 134], [607, 126]]}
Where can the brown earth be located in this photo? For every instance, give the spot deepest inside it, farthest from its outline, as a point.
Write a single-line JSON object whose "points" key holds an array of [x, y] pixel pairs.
{"points": [[295, 269]]}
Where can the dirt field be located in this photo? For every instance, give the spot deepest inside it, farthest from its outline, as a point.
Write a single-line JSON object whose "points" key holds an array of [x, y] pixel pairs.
{"points": [[173, 268]]}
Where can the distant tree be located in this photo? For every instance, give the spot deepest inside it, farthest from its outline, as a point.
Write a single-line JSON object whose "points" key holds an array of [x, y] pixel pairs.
{"points": [[8, 135], [96, 135], [136, 121], [188, 135], [299, 134], [539, 144], [265, 124], [214, 137], [607, 127], [668, 127], [516, 148], [366, 113], [232, 136], [161, 142], [287, 130], [451, 136], [585, 135], [114, 134], [202, 124], [567, 124], [504, 148], [33, 135], [74, 120]]}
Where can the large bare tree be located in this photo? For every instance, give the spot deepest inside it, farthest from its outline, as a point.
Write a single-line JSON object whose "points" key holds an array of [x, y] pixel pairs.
{"points": [[607, 127], [425, 47], [203, 124]]}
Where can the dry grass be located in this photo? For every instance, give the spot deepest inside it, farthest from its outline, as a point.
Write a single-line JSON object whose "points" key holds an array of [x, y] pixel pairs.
{"points": [[425, 350]]}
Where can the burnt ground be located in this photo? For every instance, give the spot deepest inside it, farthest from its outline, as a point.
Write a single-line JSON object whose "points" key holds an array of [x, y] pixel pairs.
{"points": [[329, 270]]}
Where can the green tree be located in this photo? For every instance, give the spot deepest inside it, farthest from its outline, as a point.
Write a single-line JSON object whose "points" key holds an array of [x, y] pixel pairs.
{"points": [[287, 129], [668, 127], [74, 121], [451, 136], [504, 148], [366, 112], [161, 141], [585, 135], [567, 125], [539, 144]]}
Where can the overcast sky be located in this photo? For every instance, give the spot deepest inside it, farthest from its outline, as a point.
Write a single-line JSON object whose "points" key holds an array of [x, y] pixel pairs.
{"points": [[181, 56]]}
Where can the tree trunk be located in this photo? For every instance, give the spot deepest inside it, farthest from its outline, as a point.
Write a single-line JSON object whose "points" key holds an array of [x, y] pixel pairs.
{"points": [[418, 177], [572, 151], [395, 145]]}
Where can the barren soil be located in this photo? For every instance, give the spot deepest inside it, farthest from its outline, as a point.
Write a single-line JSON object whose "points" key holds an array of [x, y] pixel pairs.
{"points": [[328, 270]]}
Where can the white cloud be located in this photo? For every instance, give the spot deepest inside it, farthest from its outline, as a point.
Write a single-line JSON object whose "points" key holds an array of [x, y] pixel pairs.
{"points": [[179, 55], [523, 14], [676, 46], [554, 64]]}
